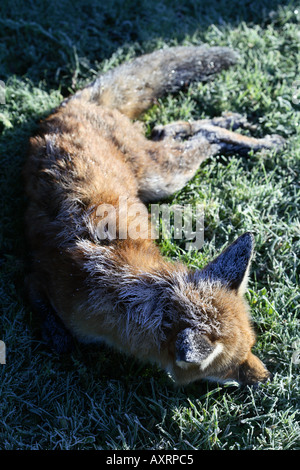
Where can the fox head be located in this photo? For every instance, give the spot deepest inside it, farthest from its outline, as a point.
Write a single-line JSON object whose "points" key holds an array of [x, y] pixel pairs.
{"points": [[218, 347]]}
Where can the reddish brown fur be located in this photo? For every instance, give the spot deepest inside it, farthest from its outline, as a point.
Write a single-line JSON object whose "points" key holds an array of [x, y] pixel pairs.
{"points": [[87, 154]]}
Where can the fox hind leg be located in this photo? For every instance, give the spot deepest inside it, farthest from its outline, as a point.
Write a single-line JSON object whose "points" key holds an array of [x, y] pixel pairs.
{"points": [[228, 142], [182, 129], [181, 146], [219, 132]]}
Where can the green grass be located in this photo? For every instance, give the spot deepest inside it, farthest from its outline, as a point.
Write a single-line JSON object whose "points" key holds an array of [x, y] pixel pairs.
{"points": [[97, 398]]}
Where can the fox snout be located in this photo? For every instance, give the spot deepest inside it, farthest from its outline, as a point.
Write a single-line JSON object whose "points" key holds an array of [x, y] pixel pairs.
{"points": [[250, 372]]}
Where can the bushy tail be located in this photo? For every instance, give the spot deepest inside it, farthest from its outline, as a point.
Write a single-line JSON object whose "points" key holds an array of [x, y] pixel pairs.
{"points": [[133, 86]]}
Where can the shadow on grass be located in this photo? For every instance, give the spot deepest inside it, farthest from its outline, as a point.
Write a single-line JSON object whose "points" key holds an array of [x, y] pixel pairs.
{"points": [[61, 44], [63, 41]]}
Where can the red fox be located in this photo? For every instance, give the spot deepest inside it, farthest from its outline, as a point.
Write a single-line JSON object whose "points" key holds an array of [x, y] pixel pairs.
{"points": [[90, 152]]}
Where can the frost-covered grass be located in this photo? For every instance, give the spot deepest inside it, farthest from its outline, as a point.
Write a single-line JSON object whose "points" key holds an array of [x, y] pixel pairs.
{"points": [[97, 398]]}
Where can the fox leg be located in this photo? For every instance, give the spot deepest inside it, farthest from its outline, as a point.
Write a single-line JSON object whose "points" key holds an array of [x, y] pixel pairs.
{"points": [[182, 146], [54, 333], [219, 131], [182, 129]]}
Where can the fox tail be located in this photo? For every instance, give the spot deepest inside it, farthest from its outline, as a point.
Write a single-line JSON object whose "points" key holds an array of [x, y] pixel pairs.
{"points": [[135, 85]]}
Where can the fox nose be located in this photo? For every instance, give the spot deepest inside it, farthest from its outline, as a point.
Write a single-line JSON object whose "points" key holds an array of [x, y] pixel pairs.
{"points": [[269, 378], [257, 383], [252, 371]]}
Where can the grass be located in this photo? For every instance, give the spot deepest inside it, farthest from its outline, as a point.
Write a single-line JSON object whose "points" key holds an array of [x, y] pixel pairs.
{"points": [[97, 398]]}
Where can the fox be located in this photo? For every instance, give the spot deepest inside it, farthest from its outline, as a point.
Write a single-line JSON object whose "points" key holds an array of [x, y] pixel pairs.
{"points": [[195, 324]]}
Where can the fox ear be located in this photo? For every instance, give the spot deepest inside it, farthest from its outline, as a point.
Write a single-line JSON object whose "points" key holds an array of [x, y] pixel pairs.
{"points": [[232, 265], [195, 348]]}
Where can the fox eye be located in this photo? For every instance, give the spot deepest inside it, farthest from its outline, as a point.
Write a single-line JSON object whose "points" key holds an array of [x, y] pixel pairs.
{"points": [[192, 347], [195, 348]]}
